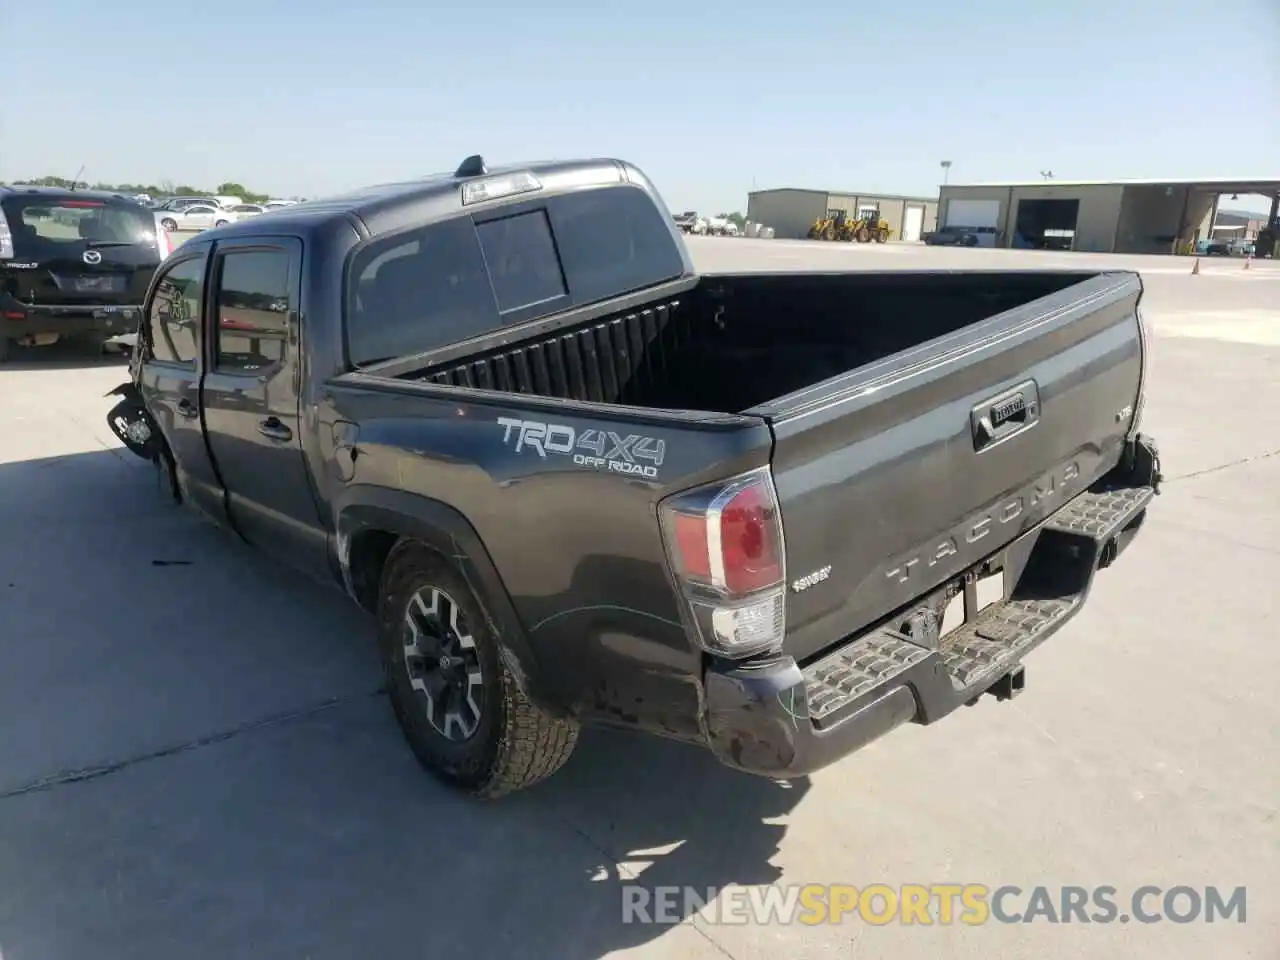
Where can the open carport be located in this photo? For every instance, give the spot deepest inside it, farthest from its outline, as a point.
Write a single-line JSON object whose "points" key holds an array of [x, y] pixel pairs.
{"points": [[1123, 216]]}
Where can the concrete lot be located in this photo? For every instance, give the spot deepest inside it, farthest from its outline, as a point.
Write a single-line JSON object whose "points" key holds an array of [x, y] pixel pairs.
{"points": [[196, 760]]}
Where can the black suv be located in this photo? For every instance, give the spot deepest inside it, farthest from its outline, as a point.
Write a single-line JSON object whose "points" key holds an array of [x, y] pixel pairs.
{"points": [[73, 264]]}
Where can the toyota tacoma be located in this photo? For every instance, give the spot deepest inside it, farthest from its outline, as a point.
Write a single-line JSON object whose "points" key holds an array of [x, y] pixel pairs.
{"points": [[574, 481]]}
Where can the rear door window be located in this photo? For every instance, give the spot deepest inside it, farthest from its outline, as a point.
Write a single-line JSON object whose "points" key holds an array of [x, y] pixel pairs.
{"points": [[253, 311]]}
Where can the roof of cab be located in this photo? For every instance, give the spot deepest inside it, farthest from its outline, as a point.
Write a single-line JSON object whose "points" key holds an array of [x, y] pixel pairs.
{"points": [[388, 206]]}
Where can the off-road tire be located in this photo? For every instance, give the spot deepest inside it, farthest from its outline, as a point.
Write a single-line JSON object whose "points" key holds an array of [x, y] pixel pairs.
{"points": [[516, 743]]}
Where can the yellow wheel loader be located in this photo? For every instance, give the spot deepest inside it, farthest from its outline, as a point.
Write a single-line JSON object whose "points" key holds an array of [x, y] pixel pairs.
{"points": [[836, 225], [871, 228]]}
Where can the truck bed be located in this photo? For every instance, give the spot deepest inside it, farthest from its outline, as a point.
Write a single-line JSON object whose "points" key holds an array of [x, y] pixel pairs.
{"points": [[736, 342], [921, 422]]}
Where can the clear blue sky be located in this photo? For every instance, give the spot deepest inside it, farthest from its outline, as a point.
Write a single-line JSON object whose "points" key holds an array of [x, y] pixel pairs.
{"points": [[709, 98]]}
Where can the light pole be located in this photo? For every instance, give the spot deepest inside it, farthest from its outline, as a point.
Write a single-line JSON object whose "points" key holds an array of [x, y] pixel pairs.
{"points": [[946, 171]]}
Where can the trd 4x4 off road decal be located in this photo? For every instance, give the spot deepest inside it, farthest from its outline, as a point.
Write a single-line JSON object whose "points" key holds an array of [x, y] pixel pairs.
{"points": [[600, 449]]}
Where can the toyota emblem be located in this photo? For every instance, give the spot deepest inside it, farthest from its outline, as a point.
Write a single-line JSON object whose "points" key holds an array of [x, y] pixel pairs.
{"points": [[92, 256]]}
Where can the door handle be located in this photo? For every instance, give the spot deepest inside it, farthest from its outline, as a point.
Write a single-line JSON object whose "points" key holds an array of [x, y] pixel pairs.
{"points": [[187, 409], [273, 428]]}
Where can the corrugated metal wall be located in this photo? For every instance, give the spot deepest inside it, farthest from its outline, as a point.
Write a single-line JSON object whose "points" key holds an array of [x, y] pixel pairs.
{"points": [[789, 212]]}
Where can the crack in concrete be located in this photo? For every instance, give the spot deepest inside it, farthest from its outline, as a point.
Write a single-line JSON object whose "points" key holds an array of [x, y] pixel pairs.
{"points": [[84, 774], [1224, 466]]}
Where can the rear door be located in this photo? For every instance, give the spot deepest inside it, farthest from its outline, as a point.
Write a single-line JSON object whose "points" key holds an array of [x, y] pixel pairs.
{"points": [[89, 252], [171, 367], [251, 399], [897, 479]]}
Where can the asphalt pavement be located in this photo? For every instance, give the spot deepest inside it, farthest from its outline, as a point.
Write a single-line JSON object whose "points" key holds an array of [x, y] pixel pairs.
{"points": [[196, 759]]}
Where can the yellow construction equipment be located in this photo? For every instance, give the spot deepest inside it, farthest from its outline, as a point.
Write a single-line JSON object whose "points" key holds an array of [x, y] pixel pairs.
{"points": [[836, 225], [872, 227]]}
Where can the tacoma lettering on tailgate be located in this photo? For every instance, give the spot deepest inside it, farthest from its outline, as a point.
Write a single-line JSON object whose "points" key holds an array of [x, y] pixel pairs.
{"points": [[598, 449], [967, 537]]}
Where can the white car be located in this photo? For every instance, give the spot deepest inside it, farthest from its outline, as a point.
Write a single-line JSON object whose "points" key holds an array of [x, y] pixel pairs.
{"points": [[273, 204], [198, 216], [249, 209]]}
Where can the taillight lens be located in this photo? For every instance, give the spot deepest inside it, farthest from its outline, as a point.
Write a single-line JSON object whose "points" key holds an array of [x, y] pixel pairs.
{"points": [[726, 548]]}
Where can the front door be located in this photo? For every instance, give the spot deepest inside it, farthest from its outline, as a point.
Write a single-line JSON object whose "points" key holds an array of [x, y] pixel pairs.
{"points": [[251, 400], [170, 372]]}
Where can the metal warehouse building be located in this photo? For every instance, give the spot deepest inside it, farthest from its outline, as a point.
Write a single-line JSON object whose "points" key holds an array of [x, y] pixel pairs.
{"points": [[1122, 216], [791, 212]]}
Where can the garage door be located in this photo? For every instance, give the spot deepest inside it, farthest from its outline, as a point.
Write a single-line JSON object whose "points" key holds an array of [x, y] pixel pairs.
{"points": [[973, 213], [913, 223]]}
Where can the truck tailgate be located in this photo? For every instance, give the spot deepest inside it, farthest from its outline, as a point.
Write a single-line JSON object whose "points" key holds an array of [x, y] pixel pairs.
{"points": [[900, 476]]}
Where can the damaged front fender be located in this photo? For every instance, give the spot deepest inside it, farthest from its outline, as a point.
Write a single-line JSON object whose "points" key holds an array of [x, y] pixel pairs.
{"points": [[133, 425]]}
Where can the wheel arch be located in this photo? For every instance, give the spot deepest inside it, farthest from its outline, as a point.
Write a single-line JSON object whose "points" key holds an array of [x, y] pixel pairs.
{"points": [[373, 520]]}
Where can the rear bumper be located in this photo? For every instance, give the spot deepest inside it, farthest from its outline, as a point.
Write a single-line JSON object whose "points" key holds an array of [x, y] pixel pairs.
{"points": [[779, 719], [18, 319]]}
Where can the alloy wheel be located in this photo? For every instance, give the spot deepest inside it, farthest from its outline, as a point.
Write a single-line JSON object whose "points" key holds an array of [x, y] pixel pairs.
{"points": [[443, 664]]}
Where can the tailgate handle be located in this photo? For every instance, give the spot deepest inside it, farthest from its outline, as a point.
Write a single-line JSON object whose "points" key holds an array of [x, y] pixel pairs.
{"points": [[1005, 415]]}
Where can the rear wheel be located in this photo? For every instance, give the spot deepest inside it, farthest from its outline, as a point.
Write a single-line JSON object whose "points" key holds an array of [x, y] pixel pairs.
{"points": [[457, 704], [882, 236], [864, 235], [220, 223]]}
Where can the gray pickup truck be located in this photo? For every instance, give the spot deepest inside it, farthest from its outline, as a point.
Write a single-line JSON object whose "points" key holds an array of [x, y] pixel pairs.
{"points": [[777, 515]]}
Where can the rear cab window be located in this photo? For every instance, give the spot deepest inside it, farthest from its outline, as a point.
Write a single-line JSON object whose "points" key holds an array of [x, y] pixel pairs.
{"points": [[471, 275], [43, 226]]}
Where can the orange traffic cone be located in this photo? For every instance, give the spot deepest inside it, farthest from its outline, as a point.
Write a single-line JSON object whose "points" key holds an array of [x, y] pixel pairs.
{"points": [[1195, 268]]}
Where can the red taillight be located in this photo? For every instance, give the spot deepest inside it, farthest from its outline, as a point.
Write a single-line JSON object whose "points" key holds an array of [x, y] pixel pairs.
{"points": [[691, 543], [80, 203], [750, 551], [725, 545], [729, 536]]}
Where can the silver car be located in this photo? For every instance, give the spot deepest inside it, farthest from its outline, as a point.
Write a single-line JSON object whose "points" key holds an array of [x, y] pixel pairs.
{"points": [[197, 216]]}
